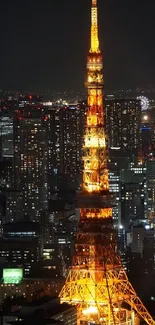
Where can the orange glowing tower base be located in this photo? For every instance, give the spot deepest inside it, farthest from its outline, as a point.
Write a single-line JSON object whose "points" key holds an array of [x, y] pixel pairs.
{"points": [[97, 282]]}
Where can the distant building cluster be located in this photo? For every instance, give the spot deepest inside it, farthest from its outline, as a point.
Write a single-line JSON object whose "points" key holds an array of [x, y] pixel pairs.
{"points": [[41, 171], [41, 166]]}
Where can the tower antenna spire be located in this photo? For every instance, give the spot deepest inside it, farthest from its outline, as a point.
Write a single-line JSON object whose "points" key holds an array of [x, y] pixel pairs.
{"points": [[94, 28], [97, 282]]}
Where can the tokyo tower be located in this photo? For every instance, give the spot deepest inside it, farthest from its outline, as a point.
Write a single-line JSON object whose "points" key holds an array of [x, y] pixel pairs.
{"points": [[97, 282]]}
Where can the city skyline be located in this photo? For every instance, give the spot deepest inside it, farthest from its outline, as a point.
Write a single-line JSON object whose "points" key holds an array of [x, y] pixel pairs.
{"points": [[77, 176], [42, 44]]}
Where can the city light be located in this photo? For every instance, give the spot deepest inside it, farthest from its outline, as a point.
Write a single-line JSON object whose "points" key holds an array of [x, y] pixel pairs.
{"points": [[144, 102], [90, 310], [145, 117], [12, 275]]}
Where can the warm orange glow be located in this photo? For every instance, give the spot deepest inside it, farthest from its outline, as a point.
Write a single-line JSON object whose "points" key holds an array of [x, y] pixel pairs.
{"points": [[91, 120], [95, 173], [97, 283], [94, 28], [95, 98], [90, 310], [93, 141], [95, 213]]}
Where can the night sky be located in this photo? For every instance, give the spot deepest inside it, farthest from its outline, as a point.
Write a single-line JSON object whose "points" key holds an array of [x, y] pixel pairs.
{"points": [[44, 44]]}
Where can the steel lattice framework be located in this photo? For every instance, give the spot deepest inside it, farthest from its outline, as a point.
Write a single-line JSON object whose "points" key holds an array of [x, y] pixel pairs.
{"points": [[97, 282]]}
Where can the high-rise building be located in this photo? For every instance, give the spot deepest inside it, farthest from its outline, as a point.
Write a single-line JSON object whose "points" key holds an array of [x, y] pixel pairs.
{"points": [[65, 145], [114, 187], [6, 172], [133, 197], [6, 127], [123, 124], [6, 136], [30, 188], [149, 252], [138, 234], [150, 185], [21, 245], [148, 130]]}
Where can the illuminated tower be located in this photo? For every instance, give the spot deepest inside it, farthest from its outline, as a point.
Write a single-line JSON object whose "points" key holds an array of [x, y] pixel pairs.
{"points": [[97, 282]]}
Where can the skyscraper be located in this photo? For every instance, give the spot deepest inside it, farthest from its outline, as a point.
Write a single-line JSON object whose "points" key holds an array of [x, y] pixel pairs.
{"points": [[114, 187], [133, 195], [6, 127], [65, 145], [30, 161], [150, 184], [123, 124]]}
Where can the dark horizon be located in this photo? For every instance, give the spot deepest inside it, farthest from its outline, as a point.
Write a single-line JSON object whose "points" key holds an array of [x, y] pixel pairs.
{"points": [[45, 45]]}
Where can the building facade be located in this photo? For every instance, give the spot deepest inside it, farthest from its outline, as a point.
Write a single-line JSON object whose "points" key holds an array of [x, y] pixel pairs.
{"points": [[65, 145], [123, 122], [30, 162]]}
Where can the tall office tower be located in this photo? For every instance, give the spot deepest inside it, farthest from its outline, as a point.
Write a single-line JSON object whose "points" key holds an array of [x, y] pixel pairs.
{"points": [[7, 106], [150, 181], [20, 245], [65, 145], [147, 140], [143, 245], [138, 233], [148, 133], [6, 127], [149, 254], [6, 182], [123, 124], [30, 162], [133, 196], [114, 187], [97, 282], [6, 172]]}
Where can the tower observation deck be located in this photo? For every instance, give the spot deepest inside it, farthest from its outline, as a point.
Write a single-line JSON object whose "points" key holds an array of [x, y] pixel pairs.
{"points": [[96, 281]]}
